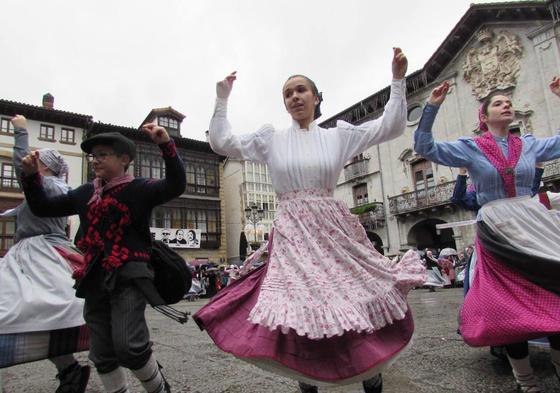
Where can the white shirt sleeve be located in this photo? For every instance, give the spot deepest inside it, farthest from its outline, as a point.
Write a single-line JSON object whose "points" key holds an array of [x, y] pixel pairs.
{"points": [[554, 199], [252, 147], [390, 125]]}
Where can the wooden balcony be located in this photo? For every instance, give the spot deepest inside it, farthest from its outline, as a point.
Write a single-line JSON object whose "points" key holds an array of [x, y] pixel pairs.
{"points": [[432, 197]]}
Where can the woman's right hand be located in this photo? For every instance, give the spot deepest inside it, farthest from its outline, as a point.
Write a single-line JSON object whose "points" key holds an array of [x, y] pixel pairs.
{"points": [[18, 121], [223, 87], [30, 163], [438, 94]]}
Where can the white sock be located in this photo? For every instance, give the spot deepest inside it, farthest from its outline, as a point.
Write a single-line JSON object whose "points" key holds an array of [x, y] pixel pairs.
{"points": [[150, 377], [115, 381], [523, 373]]}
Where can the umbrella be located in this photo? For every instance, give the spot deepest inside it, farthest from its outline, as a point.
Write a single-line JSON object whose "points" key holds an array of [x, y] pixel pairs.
{"points": [[447, 252]]}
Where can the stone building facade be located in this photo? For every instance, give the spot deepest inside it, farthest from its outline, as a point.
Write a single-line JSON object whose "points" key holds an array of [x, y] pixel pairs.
{"points": [[400, 197]]}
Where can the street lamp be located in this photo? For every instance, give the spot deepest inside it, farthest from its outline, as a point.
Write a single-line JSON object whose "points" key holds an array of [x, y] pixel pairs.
{"points": [[254, 215]]}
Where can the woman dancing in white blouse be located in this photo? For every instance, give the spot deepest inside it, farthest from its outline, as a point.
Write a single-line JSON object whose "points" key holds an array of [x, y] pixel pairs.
{"points": [[326, 307]]}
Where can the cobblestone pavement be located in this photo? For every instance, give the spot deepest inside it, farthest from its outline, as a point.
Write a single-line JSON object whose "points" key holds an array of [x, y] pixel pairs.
{"points": [[438, 361]]}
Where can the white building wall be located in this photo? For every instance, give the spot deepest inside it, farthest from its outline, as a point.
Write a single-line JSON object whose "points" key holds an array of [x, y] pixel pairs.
{"points": [[233, 180], [71, 152]]}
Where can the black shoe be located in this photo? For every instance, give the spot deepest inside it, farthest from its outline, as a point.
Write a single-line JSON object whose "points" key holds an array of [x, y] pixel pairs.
{"points": [[500, 353], [73, 379], [305, 388], [166, 386], [373, 385]]}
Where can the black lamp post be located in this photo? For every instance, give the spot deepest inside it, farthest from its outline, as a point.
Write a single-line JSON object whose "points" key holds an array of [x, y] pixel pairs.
{"points": [[254, 215]]}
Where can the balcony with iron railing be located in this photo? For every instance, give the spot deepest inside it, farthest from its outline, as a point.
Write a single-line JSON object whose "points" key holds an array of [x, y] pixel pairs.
{"points": [[371, 215], [415, 201], [356, 169], [551, 171], [9, 184]]}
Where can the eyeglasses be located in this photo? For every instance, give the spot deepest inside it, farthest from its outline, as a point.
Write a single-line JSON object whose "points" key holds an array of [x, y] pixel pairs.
{"points": [[99, 156]]}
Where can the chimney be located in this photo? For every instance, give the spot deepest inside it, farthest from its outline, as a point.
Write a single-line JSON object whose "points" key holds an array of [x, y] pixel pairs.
{"points": [[48, 101]]}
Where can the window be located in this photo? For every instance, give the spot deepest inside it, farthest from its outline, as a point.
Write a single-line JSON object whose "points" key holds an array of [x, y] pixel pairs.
{"points": [[46, 132], [168, 122], [6, 126], [414, 113], [202, 174], [67, 135], [171, 124], [517, 128], [7, 234], [200, 180], [8, 178], [423, 176], [360, 194], [149, 163], [360, 157]]}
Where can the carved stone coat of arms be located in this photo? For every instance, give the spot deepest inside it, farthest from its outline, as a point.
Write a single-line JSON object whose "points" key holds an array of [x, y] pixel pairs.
{"points": [[494, 64]]}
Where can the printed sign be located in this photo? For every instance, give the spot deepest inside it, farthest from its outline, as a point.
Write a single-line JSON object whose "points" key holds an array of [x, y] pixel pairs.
{"points": [[177, 238]]}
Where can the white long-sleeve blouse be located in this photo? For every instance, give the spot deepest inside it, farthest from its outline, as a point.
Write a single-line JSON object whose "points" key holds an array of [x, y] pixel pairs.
{"points": [[300, 159]]}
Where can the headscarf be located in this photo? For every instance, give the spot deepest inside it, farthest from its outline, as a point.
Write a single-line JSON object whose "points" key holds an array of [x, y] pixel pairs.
{"points": [[53, 160]]}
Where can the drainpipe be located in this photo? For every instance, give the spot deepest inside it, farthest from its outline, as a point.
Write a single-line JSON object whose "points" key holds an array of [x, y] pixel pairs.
{"points": [[385, 205]]}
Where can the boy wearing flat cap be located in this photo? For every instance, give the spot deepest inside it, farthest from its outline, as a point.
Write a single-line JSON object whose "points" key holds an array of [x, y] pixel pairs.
{"points": [[114, 213]]}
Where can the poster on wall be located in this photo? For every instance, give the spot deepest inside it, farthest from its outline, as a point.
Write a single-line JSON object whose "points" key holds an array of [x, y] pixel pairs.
{"points": [[177, 238]]}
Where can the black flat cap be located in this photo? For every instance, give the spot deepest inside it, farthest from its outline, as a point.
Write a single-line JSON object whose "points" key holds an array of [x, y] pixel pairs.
{"points": [[120, 143]]}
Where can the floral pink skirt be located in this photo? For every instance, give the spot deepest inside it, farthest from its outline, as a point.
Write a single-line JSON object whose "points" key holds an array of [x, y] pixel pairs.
{"points": [[326, 306]]}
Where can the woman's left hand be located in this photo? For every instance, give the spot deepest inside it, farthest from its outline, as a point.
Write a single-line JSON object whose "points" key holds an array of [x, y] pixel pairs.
{"points": [[400, 64], [555, 86], [157, 133]]}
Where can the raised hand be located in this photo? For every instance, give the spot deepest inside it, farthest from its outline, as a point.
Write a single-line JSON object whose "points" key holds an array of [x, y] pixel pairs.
{"points": [[438, 94], [158, 134], [399, 64], [555, 86], [30, 163], [223, 87], [19, 121]]}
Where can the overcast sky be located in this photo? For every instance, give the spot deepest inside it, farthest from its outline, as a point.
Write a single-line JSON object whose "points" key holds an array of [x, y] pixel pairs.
{"points": [[117, 59]]}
